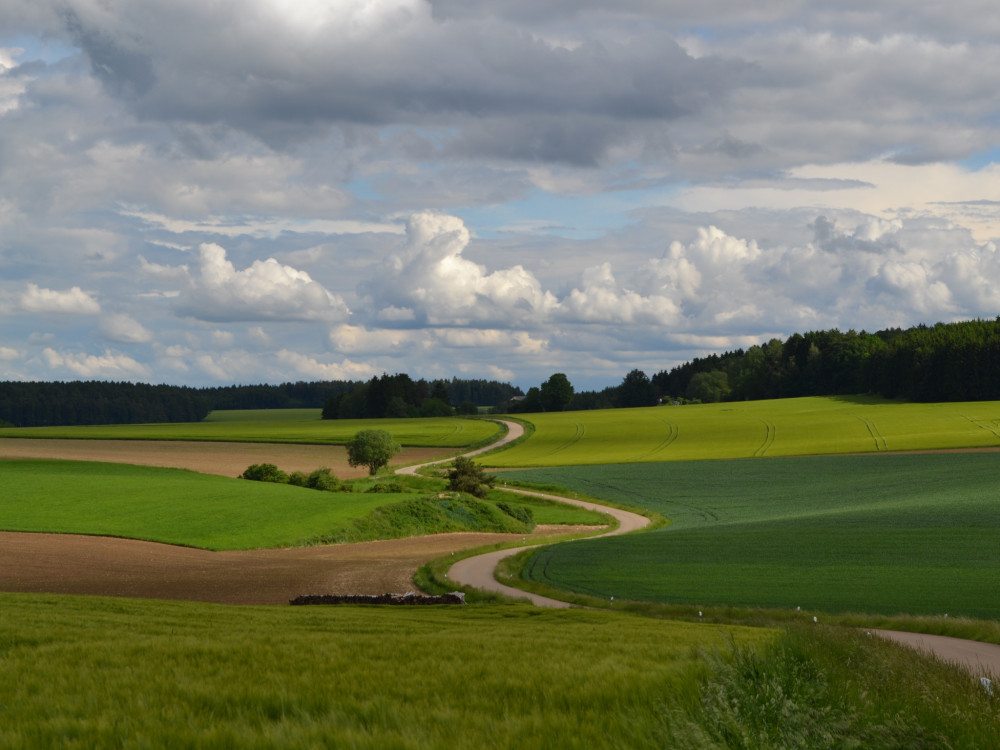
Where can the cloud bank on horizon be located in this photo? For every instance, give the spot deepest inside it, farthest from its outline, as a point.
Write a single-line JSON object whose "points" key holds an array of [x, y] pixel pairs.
{"points": [[264, 191]]}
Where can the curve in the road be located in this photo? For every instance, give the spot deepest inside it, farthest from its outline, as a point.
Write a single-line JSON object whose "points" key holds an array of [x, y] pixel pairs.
{"points": [[478, 571]]}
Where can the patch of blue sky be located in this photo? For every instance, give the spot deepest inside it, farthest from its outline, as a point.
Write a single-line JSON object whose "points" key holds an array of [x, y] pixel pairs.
{"points": [[43, 49], [363, 190], [981, 160]]}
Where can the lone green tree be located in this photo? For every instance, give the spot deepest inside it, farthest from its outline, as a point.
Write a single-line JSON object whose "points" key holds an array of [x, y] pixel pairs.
{"points": [[371, 448], [467, 476], [556, 393]]}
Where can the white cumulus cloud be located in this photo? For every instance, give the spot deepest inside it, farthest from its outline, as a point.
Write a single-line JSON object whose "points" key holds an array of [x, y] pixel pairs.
{"points": [[601, 299], [73, 301], [430, 279], [306, 366], [124, 329], [110, 365], [267, 290]]}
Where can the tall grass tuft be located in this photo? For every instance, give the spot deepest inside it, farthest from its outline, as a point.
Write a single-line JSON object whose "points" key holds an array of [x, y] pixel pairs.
{"points": [[825, 688]]}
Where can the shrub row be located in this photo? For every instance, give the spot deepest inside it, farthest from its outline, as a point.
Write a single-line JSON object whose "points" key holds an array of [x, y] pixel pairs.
{"points": [[320, 479]]}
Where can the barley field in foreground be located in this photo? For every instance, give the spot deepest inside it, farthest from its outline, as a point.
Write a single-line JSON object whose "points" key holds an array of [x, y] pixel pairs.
{"points": [[85, 672]]}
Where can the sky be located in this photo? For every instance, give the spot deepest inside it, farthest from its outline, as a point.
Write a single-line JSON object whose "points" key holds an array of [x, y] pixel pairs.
{"points": [[263, 191]]}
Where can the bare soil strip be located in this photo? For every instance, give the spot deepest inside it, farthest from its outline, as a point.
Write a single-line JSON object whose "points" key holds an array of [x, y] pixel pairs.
{"points": [[224, 459], [76, 564]]}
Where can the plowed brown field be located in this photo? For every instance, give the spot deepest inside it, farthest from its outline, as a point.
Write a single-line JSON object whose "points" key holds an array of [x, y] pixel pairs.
{"points": [[73, 564]]}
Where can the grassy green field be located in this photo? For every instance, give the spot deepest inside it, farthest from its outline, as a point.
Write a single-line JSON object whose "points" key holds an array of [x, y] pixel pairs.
{"points": [[281, 426], [90, 672], [788, 427], [888, 534], [170, 505], [200, 510]]}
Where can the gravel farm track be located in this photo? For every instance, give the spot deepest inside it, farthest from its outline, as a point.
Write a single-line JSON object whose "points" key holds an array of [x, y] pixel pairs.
{"points": [[76, 564]]}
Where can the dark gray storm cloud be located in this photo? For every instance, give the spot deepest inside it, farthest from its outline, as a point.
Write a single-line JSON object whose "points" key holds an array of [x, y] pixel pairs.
{"points": [[465, 79]]}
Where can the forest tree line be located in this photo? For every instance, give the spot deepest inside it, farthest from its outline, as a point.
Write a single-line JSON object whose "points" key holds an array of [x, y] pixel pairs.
{"points": [[40, 404], [31, 404], [400, 396], [943, 362]]}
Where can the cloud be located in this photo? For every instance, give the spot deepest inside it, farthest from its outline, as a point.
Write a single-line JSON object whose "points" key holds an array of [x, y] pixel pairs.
{"points": [[267, 290], [11, 88], [305, 366], [270, 227], [915, 286], [110, 365], [73, 301], [388, 61], [351, 339], [124, 329], [601, 299], [638, 182], [430, 283]]}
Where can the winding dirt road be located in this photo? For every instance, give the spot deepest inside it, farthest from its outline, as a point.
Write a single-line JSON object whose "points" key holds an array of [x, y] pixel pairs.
{"points": [[478, 571]]}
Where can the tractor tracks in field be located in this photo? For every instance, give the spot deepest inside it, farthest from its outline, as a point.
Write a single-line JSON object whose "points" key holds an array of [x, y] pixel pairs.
{"points": [[581, 430], [770, 433], [673, 432], [984, 425], [878, 437]]}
